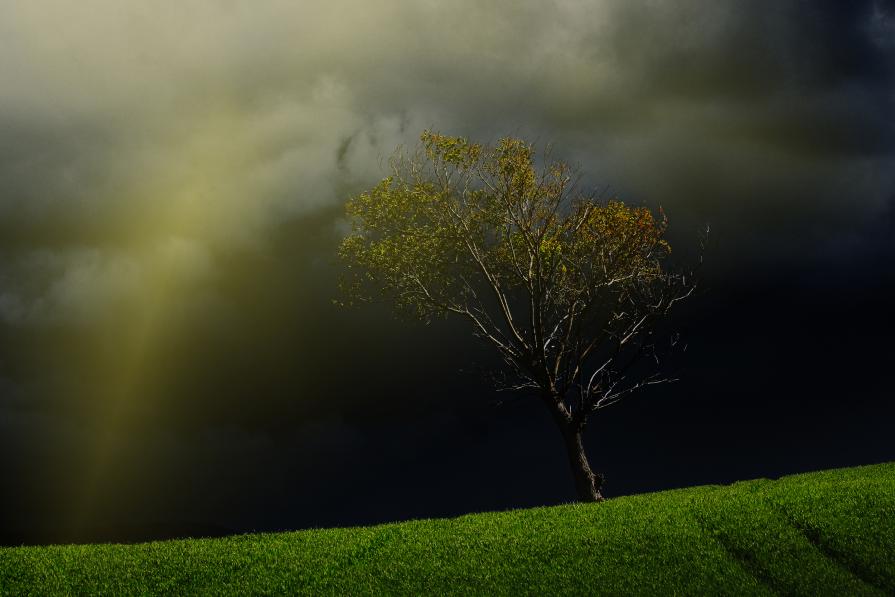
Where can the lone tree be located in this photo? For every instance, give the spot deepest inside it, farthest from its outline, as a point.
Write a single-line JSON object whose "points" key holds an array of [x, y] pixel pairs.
{"points": [[567, 289]]}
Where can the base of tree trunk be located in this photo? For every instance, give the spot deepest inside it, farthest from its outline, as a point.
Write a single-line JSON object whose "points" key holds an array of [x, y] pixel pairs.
{"points": [[587, 483]]}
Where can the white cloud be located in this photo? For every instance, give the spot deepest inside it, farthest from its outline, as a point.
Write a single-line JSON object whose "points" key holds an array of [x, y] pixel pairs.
{"points": [[70, 286]]}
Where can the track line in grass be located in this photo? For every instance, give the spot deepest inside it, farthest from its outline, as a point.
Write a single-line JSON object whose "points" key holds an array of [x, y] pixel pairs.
{"points": [[850, 512], [745, 560], [838, 558], [767, 545]]}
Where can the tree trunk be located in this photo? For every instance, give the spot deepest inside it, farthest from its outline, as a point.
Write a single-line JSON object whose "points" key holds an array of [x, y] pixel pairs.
{"points": [[587, 484]]}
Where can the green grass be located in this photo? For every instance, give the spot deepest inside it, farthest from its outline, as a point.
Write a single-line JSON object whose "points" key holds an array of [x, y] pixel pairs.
{"points": [[827, 533]]}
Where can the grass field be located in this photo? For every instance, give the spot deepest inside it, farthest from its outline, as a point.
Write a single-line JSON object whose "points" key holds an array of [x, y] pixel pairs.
{"points": [[826, 533]]}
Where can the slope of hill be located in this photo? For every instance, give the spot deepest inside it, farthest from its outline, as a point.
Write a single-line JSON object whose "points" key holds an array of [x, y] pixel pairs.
{"points": [[826, 533]]}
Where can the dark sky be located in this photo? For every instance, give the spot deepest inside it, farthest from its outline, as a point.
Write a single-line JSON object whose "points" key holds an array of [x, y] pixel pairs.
{"points": [[171, 191]]}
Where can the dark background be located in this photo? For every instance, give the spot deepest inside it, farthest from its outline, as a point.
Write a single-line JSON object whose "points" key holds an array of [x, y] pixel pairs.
{"points": [[261, 405]]}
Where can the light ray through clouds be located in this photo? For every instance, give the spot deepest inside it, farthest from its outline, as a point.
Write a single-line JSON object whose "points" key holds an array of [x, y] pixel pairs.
{"points": [[166, 271]]}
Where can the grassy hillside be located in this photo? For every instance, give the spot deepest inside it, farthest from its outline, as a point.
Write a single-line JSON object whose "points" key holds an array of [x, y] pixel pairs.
{"points": [[828, 533]]}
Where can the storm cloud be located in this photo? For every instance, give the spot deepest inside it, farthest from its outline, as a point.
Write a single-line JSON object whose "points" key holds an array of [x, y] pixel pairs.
{"points": [[127, 126]]}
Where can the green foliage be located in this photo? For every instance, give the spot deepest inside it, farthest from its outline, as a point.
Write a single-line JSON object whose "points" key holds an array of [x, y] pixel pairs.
{"points": [[828, 533], [456, 217], [567, 289]]}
